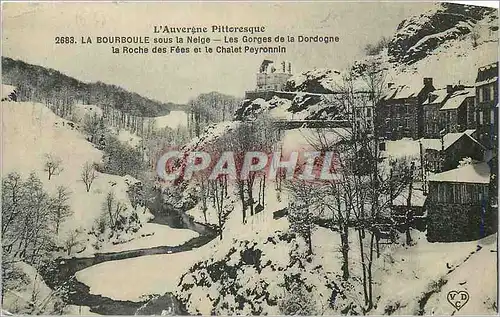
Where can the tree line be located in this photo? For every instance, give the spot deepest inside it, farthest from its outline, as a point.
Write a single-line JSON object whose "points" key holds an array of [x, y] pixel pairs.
{"points": [[61, 92]]}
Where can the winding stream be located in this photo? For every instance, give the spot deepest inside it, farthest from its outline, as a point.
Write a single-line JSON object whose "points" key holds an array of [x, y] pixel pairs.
{"points": [[63, 270]]}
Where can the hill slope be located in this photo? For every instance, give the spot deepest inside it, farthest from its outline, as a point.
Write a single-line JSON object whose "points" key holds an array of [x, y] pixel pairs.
{"points": [[48, 85]]}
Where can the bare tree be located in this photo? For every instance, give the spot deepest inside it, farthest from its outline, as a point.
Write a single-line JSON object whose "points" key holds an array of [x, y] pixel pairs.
{"points": [[218, 195], [60, 205], [71, 241], [52, 165], [26, 219], [88, 175], [108, 207]]}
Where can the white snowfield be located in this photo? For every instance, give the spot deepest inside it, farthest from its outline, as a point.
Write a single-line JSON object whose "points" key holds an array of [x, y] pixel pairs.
{"points": [[173, 120], [136, 278], [154, 235], [409, 273]]}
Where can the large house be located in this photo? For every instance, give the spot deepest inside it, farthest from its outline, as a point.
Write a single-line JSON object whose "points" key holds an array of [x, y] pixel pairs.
{"points": [[431, 106], [457, 205], [400, 111], [487, 105], [449, 110], [454, 112]]}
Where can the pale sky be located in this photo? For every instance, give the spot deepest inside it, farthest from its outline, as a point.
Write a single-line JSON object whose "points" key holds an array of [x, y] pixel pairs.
{"points": [[29, 30]]}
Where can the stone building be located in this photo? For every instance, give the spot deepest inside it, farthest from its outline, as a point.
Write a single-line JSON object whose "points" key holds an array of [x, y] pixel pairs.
{"points": [[457, 205], [486, 105], [400, 111], [454, 112]]}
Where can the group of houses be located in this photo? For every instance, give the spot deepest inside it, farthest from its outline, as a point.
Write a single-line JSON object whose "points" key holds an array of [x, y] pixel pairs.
{"points": [[456, 129]]}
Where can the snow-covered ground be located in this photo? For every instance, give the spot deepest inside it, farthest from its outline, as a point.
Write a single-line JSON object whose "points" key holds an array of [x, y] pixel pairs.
{"points": [[176, 118], [7, 90], [136, 278], [31, 291], [127, 137], [423, 265], [81, 110], [154, 235]]}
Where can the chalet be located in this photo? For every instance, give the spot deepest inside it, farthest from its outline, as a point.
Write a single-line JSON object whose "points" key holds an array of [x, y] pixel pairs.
{"points": [[457, 205], [454, 112], [445, 153], [400, 111], [271, 77], [487, 105]]}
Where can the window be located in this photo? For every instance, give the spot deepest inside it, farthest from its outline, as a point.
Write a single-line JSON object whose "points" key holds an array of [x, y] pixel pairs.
{"points": [[407, 123], [480, 117], [492, 117], [486, 93], [492, 92], [479, 94], [368, 112]]}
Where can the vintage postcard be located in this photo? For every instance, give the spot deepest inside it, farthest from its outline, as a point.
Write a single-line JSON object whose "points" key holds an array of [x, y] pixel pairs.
{"points": [[254, 158]]}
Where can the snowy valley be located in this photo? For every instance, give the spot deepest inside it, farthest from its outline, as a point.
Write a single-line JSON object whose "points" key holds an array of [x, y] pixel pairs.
{"points": [[90, 226]]}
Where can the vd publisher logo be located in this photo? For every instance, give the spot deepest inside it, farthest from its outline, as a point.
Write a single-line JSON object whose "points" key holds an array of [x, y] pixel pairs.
{"points": [[458, 299]]}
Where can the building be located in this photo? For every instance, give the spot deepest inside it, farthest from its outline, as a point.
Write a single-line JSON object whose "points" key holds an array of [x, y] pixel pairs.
{"points": [[363, 113], [431, 106], [446, 153], [457, 205], [453, 115], [272, 78], [449, 110], [486, 105], [400, 111]]}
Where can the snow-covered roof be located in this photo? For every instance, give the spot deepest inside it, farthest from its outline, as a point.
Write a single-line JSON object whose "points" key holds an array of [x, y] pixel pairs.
{"points": [[457, 98], [436, 97], [448, 140], [417, 198], [473, 173], [487, 81]]}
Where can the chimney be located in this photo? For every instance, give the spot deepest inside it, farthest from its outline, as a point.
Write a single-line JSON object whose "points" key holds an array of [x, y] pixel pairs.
{"points": [[427, 81], [390, 85], [449, 89]]}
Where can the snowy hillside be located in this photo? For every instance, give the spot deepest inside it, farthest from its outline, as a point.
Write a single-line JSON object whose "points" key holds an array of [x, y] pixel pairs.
{"points": [[30, 133], [315, 81], [448, 44], [419, 35]]}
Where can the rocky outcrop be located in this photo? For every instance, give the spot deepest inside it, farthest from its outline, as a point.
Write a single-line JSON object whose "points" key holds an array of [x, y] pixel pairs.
{"points": [[419, 35]]}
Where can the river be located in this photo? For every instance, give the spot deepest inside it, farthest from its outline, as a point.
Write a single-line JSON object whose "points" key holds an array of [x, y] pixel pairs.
{"points": [[62, 271]]}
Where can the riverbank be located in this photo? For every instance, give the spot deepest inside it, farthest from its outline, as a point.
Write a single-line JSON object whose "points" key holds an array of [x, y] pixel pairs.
{"points": [[62, 272]]}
